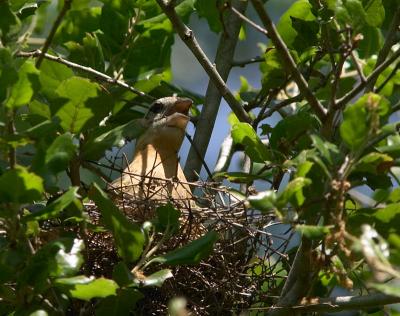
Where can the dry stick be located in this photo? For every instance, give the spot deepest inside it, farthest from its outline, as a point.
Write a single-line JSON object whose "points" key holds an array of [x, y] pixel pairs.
{"points": [[388, 78], [189, 39], [242, 63], [371, 78], [226, 152], [97, 74], [281, 105], [389, 42], [247, 20], [216, 87], [49, 39], [288, 61], [337, 304]]}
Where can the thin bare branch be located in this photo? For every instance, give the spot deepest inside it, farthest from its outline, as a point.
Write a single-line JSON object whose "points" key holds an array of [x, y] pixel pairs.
{"points": [[340, 303], [225, 154], [189, 39], [387, 46], [288, 61], [281, 105], [218, 74], [372, 77], [388, 78], [358, 66], [96, 74], [242, 63], [247, 20], [49, 39]]}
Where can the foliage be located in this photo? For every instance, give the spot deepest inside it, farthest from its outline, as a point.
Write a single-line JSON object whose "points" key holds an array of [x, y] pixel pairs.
{"points": [[59, 118]]}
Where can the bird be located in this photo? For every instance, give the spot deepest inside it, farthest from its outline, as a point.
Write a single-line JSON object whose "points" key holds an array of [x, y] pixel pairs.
{"points": [[155, 175]]}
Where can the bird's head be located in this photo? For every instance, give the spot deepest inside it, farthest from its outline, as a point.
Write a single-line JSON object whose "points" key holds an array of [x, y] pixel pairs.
{"points": [[166, 120]]}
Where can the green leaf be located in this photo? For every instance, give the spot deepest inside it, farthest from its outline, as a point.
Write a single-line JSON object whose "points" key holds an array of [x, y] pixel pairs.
{"points": [[9, 23], [27, 84], [114, 26], [307, 34], [53, 209], [264, 201], [69, 259], [83, 107], [120, 305], [57, 258], [190, 254], [122, 275], [89, 54], [355, 127], [152, 50], [294, 22], [60, 153], [291, 132], [210, 10], [51, 76], [85, 288], [77, 23], [375, 12], [372, 42], [241, 177], [313, 232], [374, 163], [327, 150], [387, 289], [167, 219], [29, 9], [100, 141], [158, 278], [18, 185], [8, 73], [273, 71], [389, 214], [294, 192], [244, 134], [128, 236]]}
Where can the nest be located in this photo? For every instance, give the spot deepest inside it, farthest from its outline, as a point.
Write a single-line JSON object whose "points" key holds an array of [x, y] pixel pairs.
{"points": [[242, 272]]}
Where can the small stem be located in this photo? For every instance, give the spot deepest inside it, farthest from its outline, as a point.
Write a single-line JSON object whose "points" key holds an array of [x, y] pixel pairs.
{"points": [[247, 20], [97, 74], [288, 60], [372, 77], [12, 155], [391, 75], [190, 40], [49, 39], [242, 63]]}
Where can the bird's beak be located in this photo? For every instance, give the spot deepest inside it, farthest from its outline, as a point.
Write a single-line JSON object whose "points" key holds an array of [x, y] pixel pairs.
{"points": [[178, 120], [182, 105]]}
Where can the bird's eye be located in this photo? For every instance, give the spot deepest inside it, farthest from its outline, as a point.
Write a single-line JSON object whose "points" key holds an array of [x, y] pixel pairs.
{"points": [[156, 107]]}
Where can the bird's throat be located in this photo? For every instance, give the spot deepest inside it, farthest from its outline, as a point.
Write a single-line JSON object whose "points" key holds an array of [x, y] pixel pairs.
{"points": [[160, 162]]}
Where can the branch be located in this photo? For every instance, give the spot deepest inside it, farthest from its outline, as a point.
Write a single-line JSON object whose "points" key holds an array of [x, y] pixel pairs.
{"points": [[49, 39], [247, 20], [372, 77], [298, 281], [340, 303], [97, 74], [225, 155], [390, 40], [281, 105], [242, 63], [388, 78], [216, 86], [189, 39], [288, 61]]}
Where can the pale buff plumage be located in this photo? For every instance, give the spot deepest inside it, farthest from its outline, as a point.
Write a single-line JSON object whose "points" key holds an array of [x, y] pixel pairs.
{"points": [[155, 174]]}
